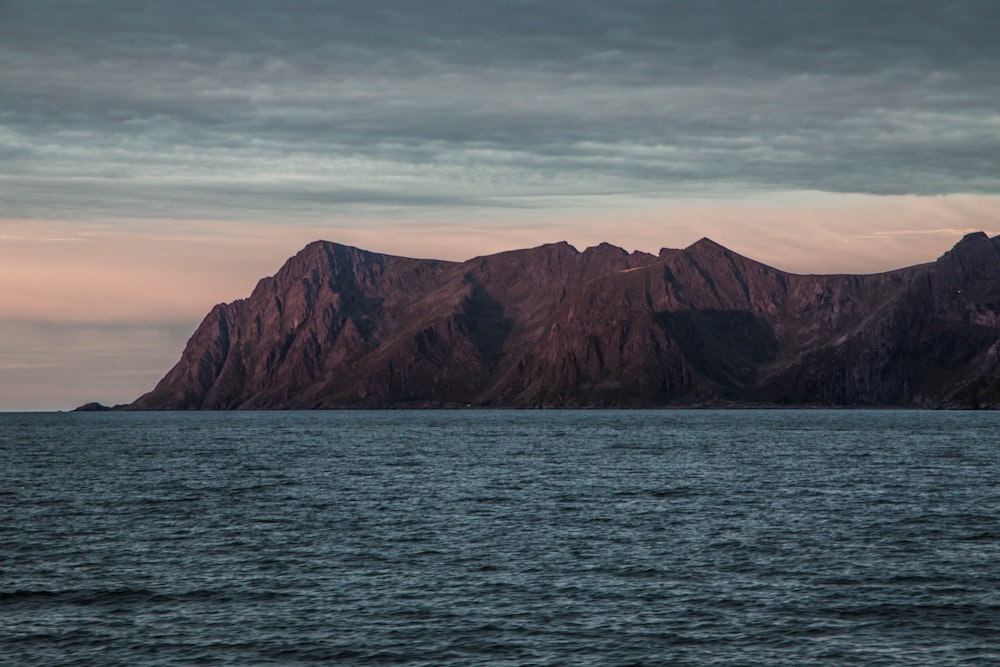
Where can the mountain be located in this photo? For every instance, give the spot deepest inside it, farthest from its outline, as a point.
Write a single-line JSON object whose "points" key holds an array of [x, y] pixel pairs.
{"points": [[554, 327]]}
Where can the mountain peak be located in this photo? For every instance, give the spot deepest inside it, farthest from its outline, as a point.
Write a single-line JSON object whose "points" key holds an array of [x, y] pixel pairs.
{"points": [[704, 241], [705, 244], [973, 243], [561, 246], [974, 237], [550, 326], [974, 256], [604, 246]]}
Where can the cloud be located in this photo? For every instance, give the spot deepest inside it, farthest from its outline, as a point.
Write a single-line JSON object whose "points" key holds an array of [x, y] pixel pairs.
{"points": [[156, 158], [117, 110]]}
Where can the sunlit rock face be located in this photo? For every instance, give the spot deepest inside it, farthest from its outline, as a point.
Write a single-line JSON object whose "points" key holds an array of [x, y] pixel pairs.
{"points": [[555, 327]]}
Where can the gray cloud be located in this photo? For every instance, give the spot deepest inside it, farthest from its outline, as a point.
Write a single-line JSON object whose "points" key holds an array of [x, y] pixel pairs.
{"points": [[316, 108]]}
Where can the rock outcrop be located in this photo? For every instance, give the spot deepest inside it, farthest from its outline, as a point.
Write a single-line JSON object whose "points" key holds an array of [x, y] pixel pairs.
{"points": [[555, 327]]}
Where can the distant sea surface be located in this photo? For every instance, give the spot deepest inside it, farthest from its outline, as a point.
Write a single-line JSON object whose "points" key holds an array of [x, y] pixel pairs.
{"points": [[500, 538]]}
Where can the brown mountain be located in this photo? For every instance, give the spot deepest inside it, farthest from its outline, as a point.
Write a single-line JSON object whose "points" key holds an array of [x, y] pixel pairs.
{"points": [[551, 326]]}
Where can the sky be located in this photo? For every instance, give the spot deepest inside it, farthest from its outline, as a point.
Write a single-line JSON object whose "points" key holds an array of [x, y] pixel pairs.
{"points": [[157, 158]]}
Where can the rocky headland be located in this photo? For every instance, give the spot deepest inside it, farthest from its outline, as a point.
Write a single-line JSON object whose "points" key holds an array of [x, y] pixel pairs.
{"points": [[340, 327]]}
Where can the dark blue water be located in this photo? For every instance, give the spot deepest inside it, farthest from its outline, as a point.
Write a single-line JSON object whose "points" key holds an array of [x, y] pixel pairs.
{"points": [[501, 538]]}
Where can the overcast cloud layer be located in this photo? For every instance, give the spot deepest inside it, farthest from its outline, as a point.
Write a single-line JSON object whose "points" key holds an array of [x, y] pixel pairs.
{"points": [[159, 157], [308, 110]]}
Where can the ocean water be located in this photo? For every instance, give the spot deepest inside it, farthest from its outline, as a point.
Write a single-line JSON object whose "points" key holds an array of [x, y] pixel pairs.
{"points": [[500, 538]]}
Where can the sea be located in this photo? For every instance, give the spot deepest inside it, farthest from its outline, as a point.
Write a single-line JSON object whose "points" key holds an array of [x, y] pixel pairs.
{"points": [[478, 537]]}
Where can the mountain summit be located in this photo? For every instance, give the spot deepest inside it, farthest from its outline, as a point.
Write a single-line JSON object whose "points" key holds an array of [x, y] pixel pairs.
{"points": [[555, 327]]}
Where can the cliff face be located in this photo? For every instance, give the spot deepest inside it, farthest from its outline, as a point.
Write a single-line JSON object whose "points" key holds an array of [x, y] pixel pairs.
{"points": [[551, 326]]}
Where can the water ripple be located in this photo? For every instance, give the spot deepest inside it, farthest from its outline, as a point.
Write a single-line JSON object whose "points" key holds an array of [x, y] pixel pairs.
{"points": [[500, 538]]}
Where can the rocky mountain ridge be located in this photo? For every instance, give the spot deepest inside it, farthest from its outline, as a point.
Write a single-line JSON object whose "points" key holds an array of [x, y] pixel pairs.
{"points": [[551, 326]]}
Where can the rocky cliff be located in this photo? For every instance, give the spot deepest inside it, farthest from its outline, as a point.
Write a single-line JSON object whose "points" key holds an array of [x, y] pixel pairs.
{"points": [[552, 326]]}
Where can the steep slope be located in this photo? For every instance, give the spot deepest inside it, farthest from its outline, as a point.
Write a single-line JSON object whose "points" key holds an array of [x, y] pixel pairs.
{"points": [[326, 309], [926, 336], [551, 326]]}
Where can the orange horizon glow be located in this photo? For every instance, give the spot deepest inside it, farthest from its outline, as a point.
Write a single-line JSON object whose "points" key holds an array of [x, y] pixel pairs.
{"points": [[71, 271], [100, 312]]}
